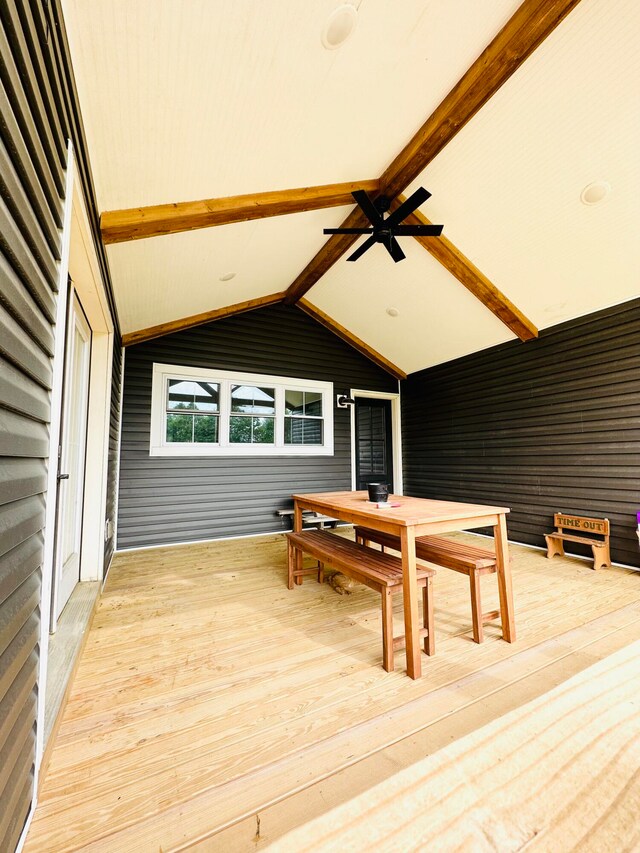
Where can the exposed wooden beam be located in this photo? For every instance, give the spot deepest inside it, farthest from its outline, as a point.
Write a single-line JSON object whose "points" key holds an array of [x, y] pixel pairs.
{"points": [[532, 22], [527, 28], [199, 319], [476, 282], [350, 338], [137, 223], [332, 250]]}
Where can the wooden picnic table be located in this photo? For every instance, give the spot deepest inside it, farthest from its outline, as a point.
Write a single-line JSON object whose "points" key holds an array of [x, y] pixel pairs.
{"points": [[418, 517]]}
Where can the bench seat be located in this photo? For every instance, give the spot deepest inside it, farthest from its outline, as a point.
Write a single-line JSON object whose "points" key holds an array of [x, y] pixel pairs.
{"points": [[458, 556], [570, 537], [379, 571]]}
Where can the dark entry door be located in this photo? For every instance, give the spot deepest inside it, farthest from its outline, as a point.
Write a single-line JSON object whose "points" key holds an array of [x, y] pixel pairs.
{"points": [[374, 451]]}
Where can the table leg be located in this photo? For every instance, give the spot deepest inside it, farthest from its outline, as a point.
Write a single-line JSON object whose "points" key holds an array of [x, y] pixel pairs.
{"points": [[410, 598], [297, 527], [503, 567]]}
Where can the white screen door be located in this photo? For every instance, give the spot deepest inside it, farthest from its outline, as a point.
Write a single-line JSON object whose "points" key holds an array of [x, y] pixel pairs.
{"points": [[72, 457]]}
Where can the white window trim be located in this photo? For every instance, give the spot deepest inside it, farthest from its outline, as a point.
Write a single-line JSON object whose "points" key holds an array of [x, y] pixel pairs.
{"points": [[160, 447]]}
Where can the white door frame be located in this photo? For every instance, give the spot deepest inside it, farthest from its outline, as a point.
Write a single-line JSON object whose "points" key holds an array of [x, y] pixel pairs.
{"points": [[78, 259], [51, 508], [396, 434], [76, 320]]}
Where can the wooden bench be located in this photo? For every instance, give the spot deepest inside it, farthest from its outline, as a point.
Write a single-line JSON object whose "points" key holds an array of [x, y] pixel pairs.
{"points": [[466, 559], [380, 572], [593, 527]]}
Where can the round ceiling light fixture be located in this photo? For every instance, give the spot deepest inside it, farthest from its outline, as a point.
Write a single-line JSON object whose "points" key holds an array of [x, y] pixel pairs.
{"points": [[595, 192], [227, 276], [340, 25], [392, 312]]}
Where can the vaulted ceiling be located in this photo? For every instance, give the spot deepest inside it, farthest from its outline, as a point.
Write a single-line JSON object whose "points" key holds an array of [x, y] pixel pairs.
{"points": [[184, 101]]}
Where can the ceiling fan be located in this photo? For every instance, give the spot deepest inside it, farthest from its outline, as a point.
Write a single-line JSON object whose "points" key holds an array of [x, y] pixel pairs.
{"points": [[386, 230]]}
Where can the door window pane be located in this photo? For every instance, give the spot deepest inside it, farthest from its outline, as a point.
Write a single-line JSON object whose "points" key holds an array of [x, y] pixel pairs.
{"points": [[252, 400]]}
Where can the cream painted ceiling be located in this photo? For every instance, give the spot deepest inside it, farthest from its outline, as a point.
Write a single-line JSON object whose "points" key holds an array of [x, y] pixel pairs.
{"points": [[190, 99]]}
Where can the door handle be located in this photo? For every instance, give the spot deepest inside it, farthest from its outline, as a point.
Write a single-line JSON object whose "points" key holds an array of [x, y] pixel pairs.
{"points": [[63, 477]]}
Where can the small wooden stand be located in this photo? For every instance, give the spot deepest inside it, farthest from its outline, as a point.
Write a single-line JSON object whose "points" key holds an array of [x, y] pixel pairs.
{"points": [[594, 526]]}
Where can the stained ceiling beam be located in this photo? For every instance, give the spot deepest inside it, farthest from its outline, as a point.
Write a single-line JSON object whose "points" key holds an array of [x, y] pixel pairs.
{"points": [[162, 329], [475, 281], [354, 341], [138, 223], [527, 28]]}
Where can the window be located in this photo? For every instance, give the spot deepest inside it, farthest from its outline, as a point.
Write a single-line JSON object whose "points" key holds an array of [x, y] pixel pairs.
{"points": [[193, 411], [198, 412], [253, 415], [303, 417]]}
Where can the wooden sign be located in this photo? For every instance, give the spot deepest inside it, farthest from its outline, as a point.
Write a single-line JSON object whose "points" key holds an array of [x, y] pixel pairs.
{"points": [[578, 522]]}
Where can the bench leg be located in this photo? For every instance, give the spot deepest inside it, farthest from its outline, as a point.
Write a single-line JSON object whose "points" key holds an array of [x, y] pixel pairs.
{"points": [[476, 606], [298, 562], [320, 572], [387, 630], [554, 546], [427, 617], [601, 558], [291, 559]]}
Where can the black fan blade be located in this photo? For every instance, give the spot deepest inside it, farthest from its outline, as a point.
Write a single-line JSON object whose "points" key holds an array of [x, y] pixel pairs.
{"points": [[408, 206], [347, 230], [418, 230], [362, 249], [368, 207], [393, 247]]}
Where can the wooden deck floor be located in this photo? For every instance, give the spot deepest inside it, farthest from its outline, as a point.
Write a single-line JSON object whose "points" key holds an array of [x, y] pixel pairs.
{"points": [[207, 689]]}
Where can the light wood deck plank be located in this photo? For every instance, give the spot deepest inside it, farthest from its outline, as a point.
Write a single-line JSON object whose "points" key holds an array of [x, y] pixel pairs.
{"points": [[204, 676]]}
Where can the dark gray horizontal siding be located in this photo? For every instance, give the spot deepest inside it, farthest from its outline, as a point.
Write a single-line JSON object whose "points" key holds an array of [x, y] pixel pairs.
{"points": [[38, 115], [113, 453], [553, 424], [165, 500], [32, 169]]}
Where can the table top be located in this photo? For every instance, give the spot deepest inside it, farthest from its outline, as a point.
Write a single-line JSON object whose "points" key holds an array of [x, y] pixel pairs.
{"points": [[410, 512]]}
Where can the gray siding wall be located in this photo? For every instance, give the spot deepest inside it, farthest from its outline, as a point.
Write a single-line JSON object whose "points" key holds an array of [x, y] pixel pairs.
{"points": [[38, 115], [114, 446], [553, 424], [32, 179], [183, 499]]}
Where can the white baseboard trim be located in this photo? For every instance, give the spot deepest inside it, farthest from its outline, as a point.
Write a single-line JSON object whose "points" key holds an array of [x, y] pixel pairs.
{"points": [[345, 524], [206, 541], [543, 548]]}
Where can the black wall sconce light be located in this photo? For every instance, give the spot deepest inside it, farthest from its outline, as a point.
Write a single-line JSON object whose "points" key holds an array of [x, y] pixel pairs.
{"points": [[343, 402]]}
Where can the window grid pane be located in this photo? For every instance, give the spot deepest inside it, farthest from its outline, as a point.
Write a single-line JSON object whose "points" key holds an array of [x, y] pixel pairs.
{"points": [[193, 396], [248, 429], [303, 430], [192, 429], [252, 400]]}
